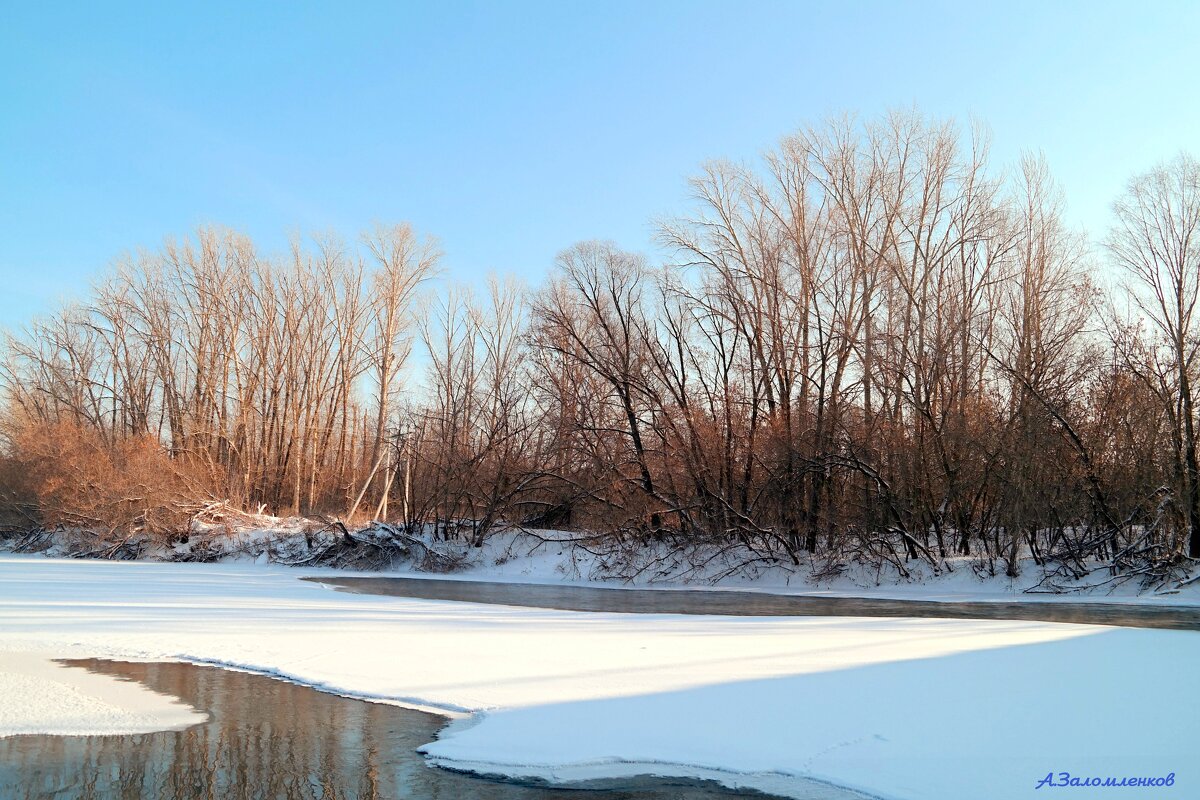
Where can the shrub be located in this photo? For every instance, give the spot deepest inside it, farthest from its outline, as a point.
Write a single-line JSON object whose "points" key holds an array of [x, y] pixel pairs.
{"points": [[78, 479]]}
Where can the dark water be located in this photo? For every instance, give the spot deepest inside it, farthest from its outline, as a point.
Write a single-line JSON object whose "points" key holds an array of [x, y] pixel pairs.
{"points": [[269, 739], [755, 604]]}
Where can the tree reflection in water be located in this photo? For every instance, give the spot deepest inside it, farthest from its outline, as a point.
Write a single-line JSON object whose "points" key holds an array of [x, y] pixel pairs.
{"points": [[264, 739]]}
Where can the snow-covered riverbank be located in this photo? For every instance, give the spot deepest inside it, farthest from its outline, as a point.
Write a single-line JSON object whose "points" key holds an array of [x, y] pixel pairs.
{"points": [[564, 558], [896, 708], [515, 557]]}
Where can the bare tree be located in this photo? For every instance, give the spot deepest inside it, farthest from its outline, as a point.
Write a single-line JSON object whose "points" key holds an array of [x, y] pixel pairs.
{"points": [[403, 262], [1156, 239]]}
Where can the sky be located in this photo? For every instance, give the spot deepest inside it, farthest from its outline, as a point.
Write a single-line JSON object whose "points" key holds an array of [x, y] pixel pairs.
{"points": [[512, 130]]}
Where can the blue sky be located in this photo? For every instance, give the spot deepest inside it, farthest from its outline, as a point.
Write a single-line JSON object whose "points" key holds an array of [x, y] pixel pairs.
{"points": [[512, 130]]}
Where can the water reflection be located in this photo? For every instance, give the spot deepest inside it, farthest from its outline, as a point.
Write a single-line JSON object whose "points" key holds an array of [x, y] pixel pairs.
{"points": [[265, 739]]}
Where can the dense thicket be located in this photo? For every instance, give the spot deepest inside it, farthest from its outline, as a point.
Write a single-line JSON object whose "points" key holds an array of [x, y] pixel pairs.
{"points": [[872, 346]]}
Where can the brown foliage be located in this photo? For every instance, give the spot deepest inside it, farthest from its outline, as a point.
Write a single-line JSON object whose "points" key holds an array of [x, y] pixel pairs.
{"points": [[78, 480]]}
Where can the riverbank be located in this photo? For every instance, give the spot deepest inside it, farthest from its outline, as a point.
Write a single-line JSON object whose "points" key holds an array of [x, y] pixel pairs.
{"points": [[560, 558], [896, 708]]}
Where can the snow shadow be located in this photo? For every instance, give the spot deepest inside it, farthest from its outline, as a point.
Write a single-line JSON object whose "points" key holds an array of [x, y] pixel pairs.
{"points": [[979, 724]]}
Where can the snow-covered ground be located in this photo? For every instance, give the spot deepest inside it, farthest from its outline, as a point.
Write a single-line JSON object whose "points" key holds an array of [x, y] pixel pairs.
{"points": [[227, 535], [39, 696], [561, 557], [520, 558], [894, 708]]}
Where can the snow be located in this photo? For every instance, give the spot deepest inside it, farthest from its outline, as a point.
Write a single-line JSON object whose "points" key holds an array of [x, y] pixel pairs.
{"points": [[514, 557], [927, 709], [41, 696], [553, 557]]}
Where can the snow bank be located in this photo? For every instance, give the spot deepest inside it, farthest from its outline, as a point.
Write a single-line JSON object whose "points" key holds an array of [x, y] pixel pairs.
{"points": [[894, 708], [40, 696], [556, 557], [517, 557]]}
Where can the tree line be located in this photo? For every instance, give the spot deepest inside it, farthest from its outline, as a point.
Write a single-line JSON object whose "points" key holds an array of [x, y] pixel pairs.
{"points": [[871, 345]]}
